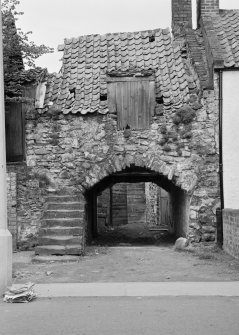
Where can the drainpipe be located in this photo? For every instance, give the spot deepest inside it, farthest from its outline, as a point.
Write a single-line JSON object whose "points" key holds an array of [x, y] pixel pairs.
{"points": [[219, 213]]}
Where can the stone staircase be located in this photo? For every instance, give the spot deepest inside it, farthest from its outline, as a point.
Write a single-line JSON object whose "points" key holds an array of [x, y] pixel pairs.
{"points": [[61, 231]]}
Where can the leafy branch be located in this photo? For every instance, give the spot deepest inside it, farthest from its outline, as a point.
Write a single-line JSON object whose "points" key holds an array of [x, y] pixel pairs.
{"points": [[18, 50]]}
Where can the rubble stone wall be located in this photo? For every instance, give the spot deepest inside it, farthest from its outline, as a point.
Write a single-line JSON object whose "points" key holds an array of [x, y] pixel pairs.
{"points": [[12, 207], [28, 205], [73, 153], [152, 193], [231, 231]]}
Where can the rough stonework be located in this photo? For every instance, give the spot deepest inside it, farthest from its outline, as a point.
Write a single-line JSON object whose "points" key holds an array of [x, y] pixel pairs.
{"points": [[29, 205], [76, 146], [11, 207], [231, 231], [75, 152], [158, 207]]}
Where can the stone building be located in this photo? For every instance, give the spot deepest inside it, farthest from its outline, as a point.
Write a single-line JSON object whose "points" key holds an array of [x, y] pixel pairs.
{"points": [[220, 30], [137, 107]]}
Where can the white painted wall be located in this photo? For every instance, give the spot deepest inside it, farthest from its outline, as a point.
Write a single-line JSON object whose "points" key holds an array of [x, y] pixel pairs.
{"points": [[230, 139], [5, 236]]}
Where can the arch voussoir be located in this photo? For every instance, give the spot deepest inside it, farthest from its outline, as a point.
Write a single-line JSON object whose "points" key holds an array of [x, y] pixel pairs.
{"points": [[139, 161], [184, 180], [189, 181]]}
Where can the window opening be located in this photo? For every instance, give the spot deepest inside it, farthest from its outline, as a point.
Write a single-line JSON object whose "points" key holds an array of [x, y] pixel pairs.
{"points": [[159, 100], [73, 91], [103, 97], [152, 38]]}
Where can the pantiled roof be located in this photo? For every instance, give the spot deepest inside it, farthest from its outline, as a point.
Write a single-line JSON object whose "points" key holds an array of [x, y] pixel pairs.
{"points": [[223, 36], [88, 60]]}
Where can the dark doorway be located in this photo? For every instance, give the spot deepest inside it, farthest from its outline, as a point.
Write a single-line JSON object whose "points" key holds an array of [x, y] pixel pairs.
{"points": [[133, 213]]}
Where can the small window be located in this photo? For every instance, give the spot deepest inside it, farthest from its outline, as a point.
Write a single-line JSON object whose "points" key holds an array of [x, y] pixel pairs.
{"points": [[159, 100], [133, 100], [103, 97], [151, 38], [14, 125], [73, 91]]}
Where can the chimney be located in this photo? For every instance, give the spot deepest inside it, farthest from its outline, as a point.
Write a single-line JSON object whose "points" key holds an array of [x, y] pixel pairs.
{"points": [[207, 8], [181, 14]]}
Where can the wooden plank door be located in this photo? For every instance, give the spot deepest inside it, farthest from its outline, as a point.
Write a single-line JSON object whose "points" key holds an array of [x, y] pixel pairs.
{"points": [[133, 99]]}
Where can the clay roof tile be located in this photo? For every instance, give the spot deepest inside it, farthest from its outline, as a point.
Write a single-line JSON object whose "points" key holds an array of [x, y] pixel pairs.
{"points": [[223, 32], [88, 59]]}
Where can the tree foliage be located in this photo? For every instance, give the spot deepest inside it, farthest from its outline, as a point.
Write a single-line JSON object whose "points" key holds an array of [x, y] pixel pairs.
{"points": [[18, 51]]}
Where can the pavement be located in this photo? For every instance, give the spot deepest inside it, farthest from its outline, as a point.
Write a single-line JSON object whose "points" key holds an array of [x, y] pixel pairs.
{"points": [[125, 308], [97, 286], [134, 289], [127, 264], [122, 316]]}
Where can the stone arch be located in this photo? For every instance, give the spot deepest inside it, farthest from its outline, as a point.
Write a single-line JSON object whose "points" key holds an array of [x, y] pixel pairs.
{"points": [[185, 180], [180, 185]]}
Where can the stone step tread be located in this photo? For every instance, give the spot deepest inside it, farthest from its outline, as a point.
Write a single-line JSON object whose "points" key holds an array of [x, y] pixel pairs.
{"points": [[72, 249], [59, 240], [56, 202], [51, 258], [69, 222], [61, 219], [58, 247], [60, 197], [65, 210], [46, 228], [53, 224], [64, 203], [60, 237], [63, 214], [52, 194], [52, 218], [61, 228]]}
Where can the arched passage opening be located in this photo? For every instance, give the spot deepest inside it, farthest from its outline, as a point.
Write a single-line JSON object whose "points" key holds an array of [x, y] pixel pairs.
{"points": [[120, 194]]}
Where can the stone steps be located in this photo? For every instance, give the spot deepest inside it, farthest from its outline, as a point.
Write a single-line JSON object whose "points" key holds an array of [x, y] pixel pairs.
{"points": [[55, 258], [48, 250], [59, 240], [61, 231], [65, 206], [62, 198], [62, 214], [61, 222]]}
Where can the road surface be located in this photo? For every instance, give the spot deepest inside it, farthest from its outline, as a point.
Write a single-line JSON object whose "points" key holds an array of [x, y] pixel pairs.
{"points": [[122, 316]]}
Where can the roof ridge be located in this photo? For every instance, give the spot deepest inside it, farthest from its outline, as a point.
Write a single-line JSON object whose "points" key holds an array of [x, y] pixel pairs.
{"points": [[71, 39]]}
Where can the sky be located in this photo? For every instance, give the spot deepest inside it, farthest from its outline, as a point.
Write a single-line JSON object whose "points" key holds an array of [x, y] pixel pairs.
{"points": [[53, 20]]}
